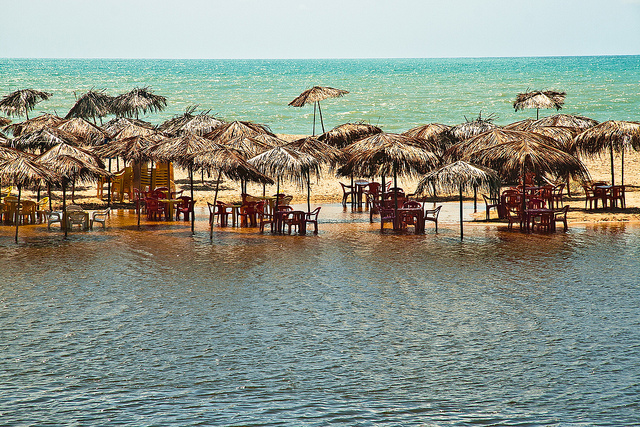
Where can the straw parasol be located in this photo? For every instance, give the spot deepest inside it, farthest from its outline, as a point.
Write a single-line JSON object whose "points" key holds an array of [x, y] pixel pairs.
{"points": [[232, 164], [315, 95], [94, 103], [566, 120], [436, 136], [325, 153], [114, 126], [139, 99], [347, 133], [37, 123], [4, 121], [84, 131], [22, 101], [539, 99], [228, 131], [24, 170], [44, 139], [614, 135], [199, 124], [460, 176], [385, 154], [182, 150], [471, 128]]}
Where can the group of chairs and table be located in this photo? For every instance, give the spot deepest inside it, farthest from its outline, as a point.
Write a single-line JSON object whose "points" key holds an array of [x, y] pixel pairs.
{"points": [[162, 204], [259, 211], [37, 212], [392, 204]]}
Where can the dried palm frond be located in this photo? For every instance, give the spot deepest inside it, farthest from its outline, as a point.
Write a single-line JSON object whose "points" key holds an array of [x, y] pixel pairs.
{"points": [[139, 99], [133, 148], [519, 125], [91, 105], [316, 94], [25, 171], [113, 126], [324, 152], [180, 149], [22, 101], [37, 123], [7, 153], [5, 121], [73, 163], [250, 147], [563, 136], [539, 99], [229, 162], [347, 133]]}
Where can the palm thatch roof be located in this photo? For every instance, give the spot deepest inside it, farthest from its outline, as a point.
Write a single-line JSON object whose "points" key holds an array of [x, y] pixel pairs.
{"points": [[287, 163], [252, 146], [347, 133], [133, 148], [228, 131], [199, 124], [519, 125], [4, 140], [386, 154], [25, 171], [22, 101], [180, 149], [566, 120], [529, 152], [459, 176], [471, 128], [436, 136], [316, 94], [93, 104], [612, 134], [37, 123], [539, 99], [4, 121], [113, 126], [7, 153], [231, 163], [133, 129], [139, 99], [562, 135], [44, 139], [322, 151], [86, 132], [73, 162]]}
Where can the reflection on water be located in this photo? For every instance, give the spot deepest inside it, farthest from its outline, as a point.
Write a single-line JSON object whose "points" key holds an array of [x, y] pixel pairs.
{"points": [[349, 327]]}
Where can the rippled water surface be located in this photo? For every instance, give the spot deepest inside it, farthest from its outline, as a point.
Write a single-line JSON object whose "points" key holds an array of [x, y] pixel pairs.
{"points": [[349, 327]]}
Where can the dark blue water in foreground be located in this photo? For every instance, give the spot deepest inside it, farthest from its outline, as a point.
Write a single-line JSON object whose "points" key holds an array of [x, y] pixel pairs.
{"points": [[350, 327]]}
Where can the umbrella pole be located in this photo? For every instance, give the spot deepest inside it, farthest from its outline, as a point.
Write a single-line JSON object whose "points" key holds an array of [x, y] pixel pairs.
{"points": [[314, 120], [17, 217], [139, 184], [320, 111], [64, 207], [215, 200], [475, 198], [193, 214], [461, 216], [395, 195], [308, 191], [109, 187], [611, 156], [622, 167]]}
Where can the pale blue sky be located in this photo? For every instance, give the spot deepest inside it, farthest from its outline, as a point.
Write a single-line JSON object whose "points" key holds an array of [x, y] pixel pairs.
{"points": [[317, 28]]}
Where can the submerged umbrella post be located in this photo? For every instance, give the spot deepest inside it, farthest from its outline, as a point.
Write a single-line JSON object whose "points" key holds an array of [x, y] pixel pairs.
{"points": [[315, 95]]}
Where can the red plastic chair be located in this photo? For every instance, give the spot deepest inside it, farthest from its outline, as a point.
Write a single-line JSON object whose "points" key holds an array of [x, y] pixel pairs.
{"points": [[347, 191], [185, 207], [312, 218], [221, 211], [155, 209]]}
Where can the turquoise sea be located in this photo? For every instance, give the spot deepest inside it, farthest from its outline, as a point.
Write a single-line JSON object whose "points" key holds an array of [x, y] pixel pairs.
{"points": [[350, 327], [395, 94]]}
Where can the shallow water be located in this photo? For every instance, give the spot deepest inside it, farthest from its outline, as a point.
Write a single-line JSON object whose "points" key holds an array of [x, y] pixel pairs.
{"points": [[349, 327]]}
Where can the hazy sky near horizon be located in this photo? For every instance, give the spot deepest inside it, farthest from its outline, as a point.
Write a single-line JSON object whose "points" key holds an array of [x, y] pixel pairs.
{"points": [[257, 29]]}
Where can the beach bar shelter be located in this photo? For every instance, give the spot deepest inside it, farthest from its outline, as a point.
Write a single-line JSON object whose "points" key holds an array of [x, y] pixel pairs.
{"points": [[460, 176]]}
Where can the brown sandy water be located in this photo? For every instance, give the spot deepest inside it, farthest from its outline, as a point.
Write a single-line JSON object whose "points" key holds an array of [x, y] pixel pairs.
{"points": [[349, 327]]}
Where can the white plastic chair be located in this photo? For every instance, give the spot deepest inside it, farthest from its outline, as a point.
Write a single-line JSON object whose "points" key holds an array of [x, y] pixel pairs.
{"points": [[100, 217]]}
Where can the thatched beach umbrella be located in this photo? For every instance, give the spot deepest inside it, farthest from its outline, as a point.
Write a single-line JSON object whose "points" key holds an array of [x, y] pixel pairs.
{"points": [[347, 133], [612, 135], [471, 128], [228, 131], [460, 176], [44, 139], [139, 99], [86, 132], [315, 95], [323, 152], [436, 136], [35, 124], [198, 124], [567, 120], [528, 152], [182, 150], [22, 101], [115, 126], [133, 149], [232, 164], [21, 171], [94, 103], [4, 121], [388, 154], [539, 99]]}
